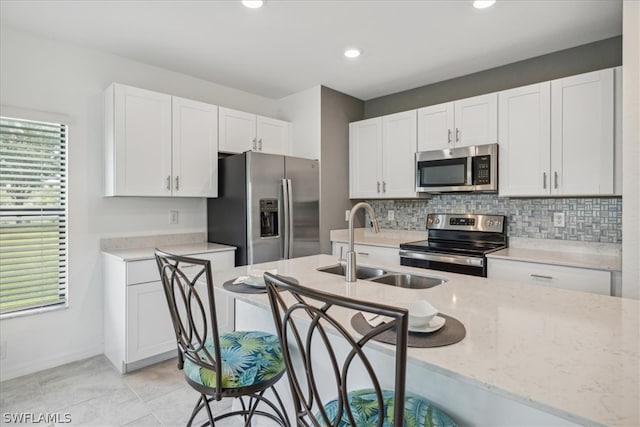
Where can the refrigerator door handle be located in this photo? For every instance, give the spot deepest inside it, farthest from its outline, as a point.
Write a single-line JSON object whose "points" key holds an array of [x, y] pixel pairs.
{"points": [[285, 215], [290, 218]]}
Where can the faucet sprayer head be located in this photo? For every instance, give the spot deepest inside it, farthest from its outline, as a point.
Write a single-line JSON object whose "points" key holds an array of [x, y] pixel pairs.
{"points": [[376, 226]]}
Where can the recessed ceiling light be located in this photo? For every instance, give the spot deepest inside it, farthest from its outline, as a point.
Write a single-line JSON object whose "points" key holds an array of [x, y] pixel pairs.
{"points": [[352, 53], [483, 4], [253, 4]]}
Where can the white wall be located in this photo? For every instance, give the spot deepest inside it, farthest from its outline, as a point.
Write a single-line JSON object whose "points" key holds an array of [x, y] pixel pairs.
{"points": [[46, 76], [631, 149], [303, 110]]}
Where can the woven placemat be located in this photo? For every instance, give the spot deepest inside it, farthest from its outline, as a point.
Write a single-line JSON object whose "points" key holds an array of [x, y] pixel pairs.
{"points": [[243, 288], [452, 332]]}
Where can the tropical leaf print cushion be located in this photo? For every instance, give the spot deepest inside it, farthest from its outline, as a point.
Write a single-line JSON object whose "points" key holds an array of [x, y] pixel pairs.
{"points": [[248, 357], [417, 411]]}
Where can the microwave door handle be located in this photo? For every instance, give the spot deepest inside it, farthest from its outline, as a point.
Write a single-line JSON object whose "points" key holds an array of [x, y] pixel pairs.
{"points": [[469, 170]]}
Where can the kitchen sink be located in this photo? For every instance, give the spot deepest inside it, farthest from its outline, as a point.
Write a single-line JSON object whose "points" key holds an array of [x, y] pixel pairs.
{"points": [[362, 272], [379, 275], [413, 281]]}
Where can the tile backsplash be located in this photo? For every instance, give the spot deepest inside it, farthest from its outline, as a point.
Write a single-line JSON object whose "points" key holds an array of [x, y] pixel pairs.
{"points": [[597, 219]]}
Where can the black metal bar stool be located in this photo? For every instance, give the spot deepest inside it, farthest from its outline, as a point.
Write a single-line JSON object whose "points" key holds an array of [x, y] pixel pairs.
{"points": [[241, 364], [296, 308]]}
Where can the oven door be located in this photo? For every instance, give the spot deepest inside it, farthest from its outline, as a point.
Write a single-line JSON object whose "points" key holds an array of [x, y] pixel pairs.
{"points": [[461, 264]]}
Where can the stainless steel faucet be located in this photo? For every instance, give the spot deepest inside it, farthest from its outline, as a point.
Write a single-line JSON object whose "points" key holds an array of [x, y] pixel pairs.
{"points": [[350, 273]]}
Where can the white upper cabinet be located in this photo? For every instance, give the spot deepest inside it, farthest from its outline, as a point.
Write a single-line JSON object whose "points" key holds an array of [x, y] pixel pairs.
{"points": [[381, 156], [137, 142], [469, 121], [365, 157], [195, 148], [159, 145], [525, 140], [582, 132], [557, 138], [240, 132]]}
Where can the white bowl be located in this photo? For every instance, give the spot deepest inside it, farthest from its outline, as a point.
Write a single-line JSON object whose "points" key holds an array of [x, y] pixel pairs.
{"points": [[420, 312]]}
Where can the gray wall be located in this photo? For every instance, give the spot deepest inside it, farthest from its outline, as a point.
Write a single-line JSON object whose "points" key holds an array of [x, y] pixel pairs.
{"points": [[336, 111], [589, 57]]}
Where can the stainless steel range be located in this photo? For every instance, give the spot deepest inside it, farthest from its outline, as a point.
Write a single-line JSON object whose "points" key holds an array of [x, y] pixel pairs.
{"points": [[457, 243]]}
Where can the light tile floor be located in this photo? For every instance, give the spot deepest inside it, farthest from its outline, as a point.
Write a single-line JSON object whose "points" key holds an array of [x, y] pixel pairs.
{"points": [[93, 393]]}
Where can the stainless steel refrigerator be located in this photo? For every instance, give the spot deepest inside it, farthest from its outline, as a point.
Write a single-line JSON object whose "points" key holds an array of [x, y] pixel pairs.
{"points": [[267, 206]]}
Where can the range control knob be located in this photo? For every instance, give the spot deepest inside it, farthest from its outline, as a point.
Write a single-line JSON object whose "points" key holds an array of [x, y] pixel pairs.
{"points": [[437, 220], [489, 223], [430, 221]]}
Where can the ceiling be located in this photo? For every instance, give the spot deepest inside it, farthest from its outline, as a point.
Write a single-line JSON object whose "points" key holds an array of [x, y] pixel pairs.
{"points": [[289, 46]]}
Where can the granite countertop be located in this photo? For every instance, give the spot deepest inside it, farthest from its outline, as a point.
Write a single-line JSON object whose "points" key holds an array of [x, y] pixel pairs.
{"points": [[572, 354], [138, 254], [386, 237]]}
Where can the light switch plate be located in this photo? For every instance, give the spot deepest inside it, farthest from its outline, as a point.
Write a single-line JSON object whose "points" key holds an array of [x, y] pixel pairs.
{"points": [[558, 219]]}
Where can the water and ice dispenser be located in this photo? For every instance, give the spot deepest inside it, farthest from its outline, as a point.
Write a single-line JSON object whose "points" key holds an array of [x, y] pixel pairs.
{"points": [[268, 217]]}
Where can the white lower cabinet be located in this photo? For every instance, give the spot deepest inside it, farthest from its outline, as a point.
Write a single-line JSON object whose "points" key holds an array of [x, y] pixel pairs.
{"points": [[369, 254], [137, 326], [554, 276]]}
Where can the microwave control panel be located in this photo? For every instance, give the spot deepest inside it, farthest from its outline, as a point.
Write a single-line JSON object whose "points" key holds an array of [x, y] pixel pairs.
{"points": [[481, 170]]}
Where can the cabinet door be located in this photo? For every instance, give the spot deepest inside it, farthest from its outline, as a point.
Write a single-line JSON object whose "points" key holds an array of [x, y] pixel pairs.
{"points": [[142, 142], [149, 327], [398, 155], [525, 140], [195, 149], [476, 120], [273, 135], [237, 131], [435, 127], [365, 146], [582, 134], [553, 276]]}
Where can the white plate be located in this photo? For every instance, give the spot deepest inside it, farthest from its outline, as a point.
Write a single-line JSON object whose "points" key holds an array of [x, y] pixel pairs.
{"points": [[435, 324], [255, 282]]}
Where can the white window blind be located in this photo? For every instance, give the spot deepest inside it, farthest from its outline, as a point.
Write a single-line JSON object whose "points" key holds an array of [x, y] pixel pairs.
{"points": [[33, 214]]}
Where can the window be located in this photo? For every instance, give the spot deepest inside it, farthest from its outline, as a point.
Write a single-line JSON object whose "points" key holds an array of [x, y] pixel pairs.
{"points": [[33, 215]]}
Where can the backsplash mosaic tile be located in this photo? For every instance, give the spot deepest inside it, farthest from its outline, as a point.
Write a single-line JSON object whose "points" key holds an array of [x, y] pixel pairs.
{"points": [[597, 219]]}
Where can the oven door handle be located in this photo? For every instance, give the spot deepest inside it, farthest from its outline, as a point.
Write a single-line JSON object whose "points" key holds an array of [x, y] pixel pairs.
{"points": [[450, 259]]}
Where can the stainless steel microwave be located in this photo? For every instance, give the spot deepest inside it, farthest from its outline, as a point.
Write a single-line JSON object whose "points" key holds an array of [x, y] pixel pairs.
{"points": [[473, 168]]}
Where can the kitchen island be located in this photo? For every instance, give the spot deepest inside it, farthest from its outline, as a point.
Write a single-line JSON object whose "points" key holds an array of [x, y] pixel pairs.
{"points": [[532, 355]]}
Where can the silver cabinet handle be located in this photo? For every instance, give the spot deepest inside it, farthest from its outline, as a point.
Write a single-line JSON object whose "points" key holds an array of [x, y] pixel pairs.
{"points": [[363, 253], [169, 182], [555, 179], [260, 144], [177, 183], [457, 135], [384, 186], [449, 135], [378, 186], [255, 142], [544, 180], [540, 276]]}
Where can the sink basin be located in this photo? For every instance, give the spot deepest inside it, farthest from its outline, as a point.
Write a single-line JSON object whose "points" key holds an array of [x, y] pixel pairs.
{"points": [[362, 272], [413, 281]]}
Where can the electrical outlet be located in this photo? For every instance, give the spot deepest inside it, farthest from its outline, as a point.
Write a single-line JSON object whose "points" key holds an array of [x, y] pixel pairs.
{"points": [[173, 217], [391, 215], [558, 219], [3, 350], [346, 214]]}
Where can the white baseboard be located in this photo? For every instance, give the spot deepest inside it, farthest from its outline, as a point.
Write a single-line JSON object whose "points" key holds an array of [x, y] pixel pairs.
{"points": [[32, 366]]}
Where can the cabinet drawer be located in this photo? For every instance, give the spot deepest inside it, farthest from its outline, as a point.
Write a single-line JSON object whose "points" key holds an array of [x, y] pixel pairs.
{"points": [[555, 276], [145, 271]]}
